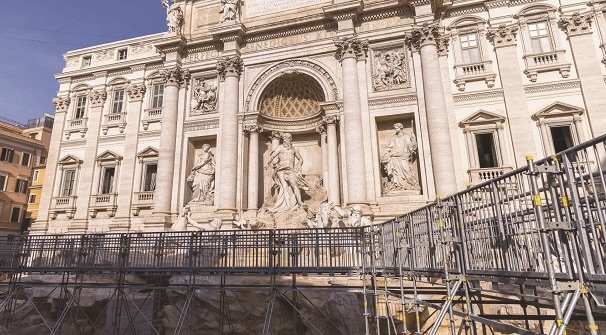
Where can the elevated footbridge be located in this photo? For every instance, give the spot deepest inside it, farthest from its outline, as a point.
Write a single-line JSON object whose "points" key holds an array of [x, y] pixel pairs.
{"points": [[524, 253]]}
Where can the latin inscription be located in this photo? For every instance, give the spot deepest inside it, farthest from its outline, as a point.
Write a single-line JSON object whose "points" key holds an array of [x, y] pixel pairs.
{"points": [[265, 7], [288, 40], [200, 56]]}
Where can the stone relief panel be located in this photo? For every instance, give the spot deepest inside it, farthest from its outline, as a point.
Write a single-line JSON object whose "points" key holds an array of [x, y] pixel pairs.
{"points": [[390, 69], [398, 154], [204, 96]]}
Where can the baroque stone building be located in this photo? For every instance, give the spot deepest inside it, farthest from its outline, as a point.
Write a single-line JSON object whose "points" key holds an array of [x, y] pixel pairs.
{"points": [[267, 108]]}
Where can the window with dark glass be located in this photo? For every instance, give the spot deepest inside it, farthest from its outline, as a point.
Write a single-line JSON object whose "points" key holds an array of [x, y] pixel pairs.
{"points": [[149, 183], [25, 158], [486, 150], [21, 186], [107, 180], [122, 54], [69, 176], [15, 214], [562, 138], [7, 155], [3, 181], [158, 95], [118, 101], [80, 107]]}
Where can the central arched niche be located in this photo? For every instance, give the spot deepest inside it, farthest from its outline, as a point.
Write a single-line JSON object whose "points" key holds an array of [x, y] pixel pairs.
{"points": [[291, 96]]}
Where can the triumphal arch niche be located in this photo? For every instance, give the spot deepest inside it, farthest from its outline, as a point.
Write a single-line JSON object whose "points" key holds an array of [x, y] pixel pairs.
{"points": [[287, 113]]}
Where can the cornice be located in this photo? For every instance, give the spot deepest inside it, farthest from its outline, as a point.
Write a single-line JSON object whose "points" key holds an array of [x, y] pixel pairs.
{"points": [[114, 138], [463, 97], [300, 30], [73, 143], [110, 68], [552, 86], [383, 14], [147, 134], [400, 100], [201, 124]]}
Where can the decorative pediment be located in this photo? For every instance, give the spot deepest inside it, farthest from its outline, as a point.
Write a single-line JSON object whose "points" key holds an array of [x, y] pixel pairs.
{"points": [[69, 159], [109, 156], [148, 152], [467, 21], [535, 9], [557, 109], [482, 117]]}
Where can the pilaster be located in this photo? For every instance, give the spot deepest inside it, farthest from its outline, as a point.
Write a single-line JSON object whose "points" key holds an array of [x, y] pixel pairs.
{"points": [[333, 186], [252, 131]]}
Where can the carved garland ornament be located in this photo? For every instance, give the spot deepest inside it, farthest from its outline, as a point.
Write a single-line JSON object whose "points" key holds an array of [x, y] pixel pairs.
{"points": [[292, 64], [174, 76], [577, 24], [351, 47], [61, 104], [230, 66], [503, 35]]}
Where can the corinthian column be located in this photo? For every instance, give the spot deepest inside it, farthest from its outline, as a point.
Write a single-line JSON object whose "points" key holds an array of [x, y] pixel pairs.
{"points": [[424, 39], [173, 79], [349, 50], [578, 28], [253, 165], [229, 72], [334, 188]]}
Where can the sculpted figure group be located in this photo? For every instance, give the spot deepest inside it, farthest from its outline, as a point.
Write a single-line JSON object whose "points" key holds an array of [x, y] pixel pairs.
{"points": [[229, 10], [174, 17]]}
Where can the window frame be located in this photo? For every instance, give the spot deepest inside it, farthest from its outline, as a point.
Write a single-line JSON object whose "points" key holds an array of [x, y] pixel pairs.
{"points": [[11, 155], [157, 97], [78, 107], [106, 160], [3, 186], [73, 172], [122, 54], [559, 114], [87, 60], [29, 158], [35, 175], [19, 218], [118, 101], [19, 189], [29, 199]]}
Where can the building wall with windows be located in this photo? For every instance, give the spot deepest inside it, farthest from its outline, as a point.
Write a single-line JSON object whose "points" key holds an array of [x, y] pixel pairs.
{"points": [[23, 147], [478, 85]]}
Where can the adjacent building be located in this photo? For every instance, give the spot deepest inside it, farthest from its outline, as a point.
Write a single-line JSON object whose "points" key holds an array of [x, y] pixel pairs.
{"points": [[24, 148], [386, 104]]}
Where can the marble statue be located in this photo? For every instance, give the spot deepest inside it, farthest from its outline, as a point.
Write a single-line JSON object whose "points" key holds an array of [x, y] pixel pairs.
{"points": [[288, 180], [174, 17], [202, 177], [186, 219], [240, 222], [389, 69], [397, 160], [355, 217], [322, 218], [204, 97], [229, 10]]}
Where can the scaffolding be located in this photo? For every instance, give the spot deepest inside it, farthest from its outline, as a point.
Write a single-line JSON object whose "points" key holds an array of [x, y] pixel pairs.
{"points": [[523, 253]]}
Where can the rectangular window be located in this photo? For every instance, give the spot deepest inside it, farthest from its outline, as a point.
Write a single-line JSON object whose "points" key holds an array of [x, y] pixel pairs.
{"points": [[158, 96], [42, 160], [80, 107], [107, 180], [69, 177], [486, 150], [87, 61], [562, 138], [21, 186], [32, 198], [25, 159], [149, 183], [15, 214], [470, 49], [122, 54], [118, 101], [36, 175], [539, 37], [3, 182], [7, 155]]}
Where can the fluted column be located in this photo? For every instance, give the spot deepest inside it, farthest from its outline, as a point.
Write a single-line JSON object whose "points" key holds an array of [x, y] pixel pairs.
{"points": [[349, 50], [334, 188], [135, 92], [229, 72], [173, 79], [424, 39], [253, 165], [578, 28]]}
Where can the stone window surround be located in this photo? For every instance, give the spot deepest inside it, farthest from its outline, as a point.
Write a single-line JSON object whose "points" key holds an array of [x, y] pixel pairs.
{"points": [[543, 62], [73, 124], [483, 122], [122, 54], [466, 72], [600, 22], [111, 119], [105, 201], [143, 199], [61, 203], [20, 213], [3, 186], [152, 114], [18, 182], [572, 118]]}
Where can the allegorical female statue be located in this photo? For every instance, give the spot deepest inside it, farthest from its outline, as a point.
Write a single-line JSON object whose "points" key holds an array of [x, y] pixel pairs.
{"points": [[397, 160], [174, 16], [229, 10], [202, 177]]}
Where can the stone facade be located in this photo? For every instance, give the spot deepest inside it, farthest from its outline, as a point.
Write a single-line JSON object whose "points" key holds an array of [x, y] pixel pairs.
{"points": [[472, 86]]}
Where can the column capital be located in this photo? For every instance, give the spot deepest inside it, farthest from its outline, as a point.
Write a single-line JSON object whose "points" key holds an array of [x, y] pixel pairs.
{"points": [[230, 67], [577, 24], [321, 129], [97, 97], [174, 76], [331, 119], [136, 91], [503, 35], [61, 104], [251, 128], [351, 47], [443, 41], [425, 35]]}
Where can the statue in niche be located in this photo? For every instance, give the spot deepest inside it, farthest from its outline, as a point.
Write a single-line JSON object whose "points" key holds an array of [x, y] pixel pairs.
{"points": [[390, 70], [397, 160], [229, 10], [174, 16], [204, 97], [202, 177], [286, 162]]}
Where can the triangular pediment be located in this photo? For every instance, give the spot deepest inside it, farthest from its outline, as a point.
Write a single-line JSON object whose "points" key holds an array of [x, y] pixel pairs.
{"points": [[482, 117], [69, 159], [148, 152], [109, 156], [557, 109]]}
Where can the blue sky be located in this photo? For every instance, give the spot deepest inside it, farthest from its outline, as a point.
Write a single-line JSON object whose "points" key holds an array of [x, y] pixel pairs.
{"points": [[34, 35]]}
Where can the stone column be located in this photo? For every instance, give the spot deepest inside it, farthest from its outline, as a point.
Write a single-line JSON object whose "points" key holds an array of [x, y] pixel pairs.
{"points": [[349, 50], [518, 115], [135, 92], [321, 129], [51, 177], [578, 28], [173, 78], [253, 166], [333, 185], [85, 187], [424, 39], [229, 72]]}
